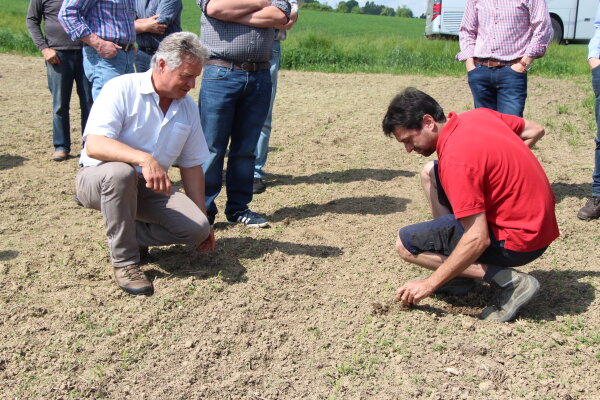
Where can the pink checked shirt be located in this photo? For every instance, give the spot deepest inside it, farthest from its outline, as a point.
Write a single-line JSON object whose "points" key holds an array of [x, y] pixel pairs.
{"points": [[504, 29]]}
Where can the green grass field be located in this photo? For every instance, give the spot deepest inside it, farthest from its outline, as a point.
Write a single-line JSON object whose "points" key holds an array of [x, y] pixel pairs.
{"points": [[332, 42]]}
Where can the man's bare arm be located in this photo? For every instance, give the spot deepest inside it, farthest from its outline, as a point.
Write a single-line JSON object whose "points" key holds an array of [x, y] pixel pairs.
{"points": [[150, 25], [103, 47], [268, 17], [532, 132], [472, 244], [193, 184], [106, 149], [230, 10]]}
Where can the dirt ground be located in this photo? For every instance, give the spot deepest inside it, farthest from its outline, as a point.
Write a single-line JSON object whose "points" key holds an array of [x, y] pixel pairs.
{"points": [[302, 310]]}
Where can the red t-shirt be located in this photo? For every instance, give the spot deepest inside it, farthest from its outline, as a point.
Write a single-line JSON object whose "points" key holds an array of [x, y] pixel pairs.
{"points": [[484, 166]]}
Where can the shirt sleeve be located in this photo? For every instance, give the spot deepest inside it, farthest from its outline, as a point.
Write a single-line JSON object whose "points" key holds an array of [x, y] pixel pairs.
{"points": [[541, 27], [594, 47], [463, 186], [516, 124], [169, 10], [34, 21], [108, 111], [71, 17], [467, 33], [283, 5]]}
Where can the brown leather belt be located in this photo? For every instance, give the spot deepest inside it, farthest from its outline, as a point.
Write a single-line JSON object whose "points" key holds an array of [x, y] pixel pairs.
{"points": [[490, 62], [245, 66]]}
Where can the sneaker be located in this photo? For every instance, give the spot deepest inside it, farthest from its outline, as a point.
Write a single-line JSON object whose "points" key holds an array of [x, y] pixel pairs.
{"points": [[515, 290], [248, 218], [133, 280], [258, 186], [60, 155], [457, 287], [591, 210]]}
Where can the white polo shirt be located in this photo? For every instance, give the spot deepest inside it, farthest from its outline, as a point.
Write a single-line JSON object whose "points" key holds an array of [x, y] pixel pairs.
{"points": [[127, 110]]}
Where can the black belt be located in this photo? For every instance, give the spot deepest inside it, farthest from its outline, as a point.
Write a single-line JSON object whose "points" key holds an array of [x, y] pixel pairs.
{"points": [[245, 66], [125, 47], [148, 50]]}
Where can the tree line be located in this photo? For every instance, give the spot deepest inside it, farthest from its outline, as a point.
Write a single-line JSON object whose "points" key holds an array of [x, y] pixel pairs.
{"points": [[352, 6]]}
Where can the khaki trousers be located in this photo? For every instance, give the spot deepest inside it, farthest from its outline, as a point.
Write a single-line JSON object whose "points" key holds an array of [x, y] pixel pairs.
{"points": [[135, 216]]}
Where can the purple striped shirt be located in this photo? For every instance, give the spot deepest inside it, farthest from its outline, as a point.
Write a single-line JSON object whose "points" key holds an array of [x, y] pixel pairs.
{"points": [[504, 29], [112, 20]]}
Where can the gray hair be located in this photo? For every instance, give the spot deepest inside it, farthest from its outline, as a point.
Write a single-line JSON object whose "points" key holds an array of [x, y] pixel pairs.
{"points": [[177, 46]]}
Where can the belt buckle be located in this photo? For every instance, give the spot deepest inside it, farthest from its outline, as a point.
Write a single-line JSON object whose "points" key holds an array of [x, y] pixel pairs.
{"points": [[248, 66]]}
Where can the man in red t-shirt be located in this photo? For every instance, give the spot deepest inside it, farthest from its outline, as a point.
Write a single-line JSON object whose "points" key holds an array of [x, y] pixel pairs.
{"points": [[491, 200]]}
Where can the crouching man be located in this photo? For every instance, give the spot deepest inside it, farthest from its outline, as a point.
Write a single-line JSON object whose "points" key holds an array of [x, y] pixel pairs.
{"points": [[492, 204], [139, 126]]}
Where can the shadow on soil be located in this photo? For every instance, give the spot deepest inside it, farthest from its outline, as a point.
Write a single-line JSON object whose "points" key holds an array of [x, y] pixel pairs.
{"points": [[350, 175], [376, 205], [561, 293], [6, 255], [579, 190], [225, 261], [8, 161]]}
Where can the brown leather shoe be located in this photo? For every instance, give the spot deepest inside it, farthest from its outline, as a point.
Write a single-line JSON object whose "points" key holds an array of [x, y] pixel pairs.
{"points": [[133, 280], [60, 155], [591, 210]]}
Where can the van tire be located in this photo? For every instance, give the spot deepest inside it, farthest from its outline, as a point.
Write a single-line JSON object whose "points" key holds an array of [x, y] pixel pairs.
{"points": [[557, 35]]}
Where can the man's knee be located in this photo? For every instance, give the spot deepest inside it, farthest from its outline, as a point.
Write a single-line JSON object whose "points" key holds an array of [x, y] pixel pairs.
{"points": [[427, 173], [119, 176], [402, 251], [197, 231]]}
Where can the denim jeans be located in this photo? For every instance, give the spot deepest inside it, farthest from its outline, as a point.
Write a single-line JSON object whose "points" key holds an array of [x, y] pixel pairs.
{"points": [[596, 174], [233, 106], [60, 82], [142, 61], [499, 88], [262, 147], [100, 70]]}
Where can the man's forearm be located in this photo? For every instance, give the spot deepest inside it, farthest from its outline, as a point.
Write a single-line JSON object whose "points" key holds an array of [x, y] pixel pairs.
{"points": [[230, 10], [106, 149], [268, 17], [193, 184]]}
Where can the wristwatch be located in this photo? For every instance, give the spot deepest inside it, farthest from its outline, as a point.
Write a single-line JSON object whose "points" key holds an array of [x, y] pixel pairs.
{"points": [[526, 66]]}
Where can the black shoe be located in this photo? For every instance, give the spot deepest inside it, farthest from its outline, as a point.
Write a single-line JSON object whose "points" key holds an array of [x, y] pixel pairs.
{"points": [[515, 290], [457, 287], [591, 210], [258, 186], [145, 256]]}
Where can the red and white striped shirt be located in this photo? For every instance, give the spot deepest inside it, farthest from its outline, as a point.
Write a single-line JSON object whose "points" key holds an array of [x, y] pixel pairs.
{"points": [[504, 29]]}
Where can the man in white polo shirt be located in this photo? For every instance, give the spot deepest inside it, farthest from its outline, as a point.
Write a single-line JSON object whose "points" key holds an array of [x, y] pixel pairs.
{"points": [[138, 127]]}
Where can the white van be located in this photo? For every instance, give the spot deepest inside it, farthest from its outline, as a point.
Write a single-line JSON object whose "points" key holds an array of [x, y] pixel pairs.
{"points": [[572, 20]]}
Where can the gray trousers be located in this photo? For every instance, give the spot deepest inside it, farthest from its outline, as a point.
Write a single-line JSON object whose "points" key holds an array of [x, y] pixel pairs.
{"points": [[135, 216]]}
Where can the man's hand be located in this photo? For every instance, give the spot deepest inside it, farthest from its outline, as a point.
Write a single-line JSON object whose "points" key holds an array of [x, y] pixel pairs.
{"points": [[150, 25], [209, 244], [470, 64], [291, 22], [51, 56], [594, 62], [156, 177], [414, 291], [104, 48]]}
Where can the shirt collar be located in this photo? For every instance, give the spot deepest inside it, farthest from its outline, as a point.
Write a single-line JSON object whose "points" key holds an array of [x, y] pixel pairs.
{"points": [[147, 86], [447, 130]]}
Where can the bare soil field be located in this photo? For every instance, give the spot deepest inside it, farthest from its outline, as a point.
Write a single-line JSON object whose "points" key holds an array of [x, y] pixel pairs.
{"points": [[302, 310]]}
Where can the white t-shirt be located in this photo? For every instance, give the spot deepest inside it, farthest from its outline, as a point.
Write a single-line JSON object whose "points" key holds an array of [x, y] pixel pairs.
{"points": [[127, 110]]}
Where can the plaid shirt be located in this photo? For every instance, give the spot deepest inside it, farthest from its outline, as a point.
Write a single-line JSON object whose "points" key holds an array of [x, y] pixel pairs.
{"points": [[504, 29], [111, 20], [236, 42]]}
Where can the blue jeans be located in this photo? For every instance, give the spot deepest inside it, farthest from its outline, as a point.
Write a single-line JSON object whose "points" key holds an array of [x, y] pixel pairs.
{"points": [[596, 174], [499, 88], [262, 147], [100, 70], [60, 82], [233, 107], [142, 61]]}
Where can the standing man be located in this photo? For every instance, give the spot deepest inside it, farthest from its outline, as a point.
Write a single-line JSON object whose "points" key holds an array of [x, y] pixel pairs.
{"points": [[107, 29], [499, 40], [138, 127], [591, 210], [155, 19], [64, 65], [235, 96], [262, 147], [494, 203]]}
